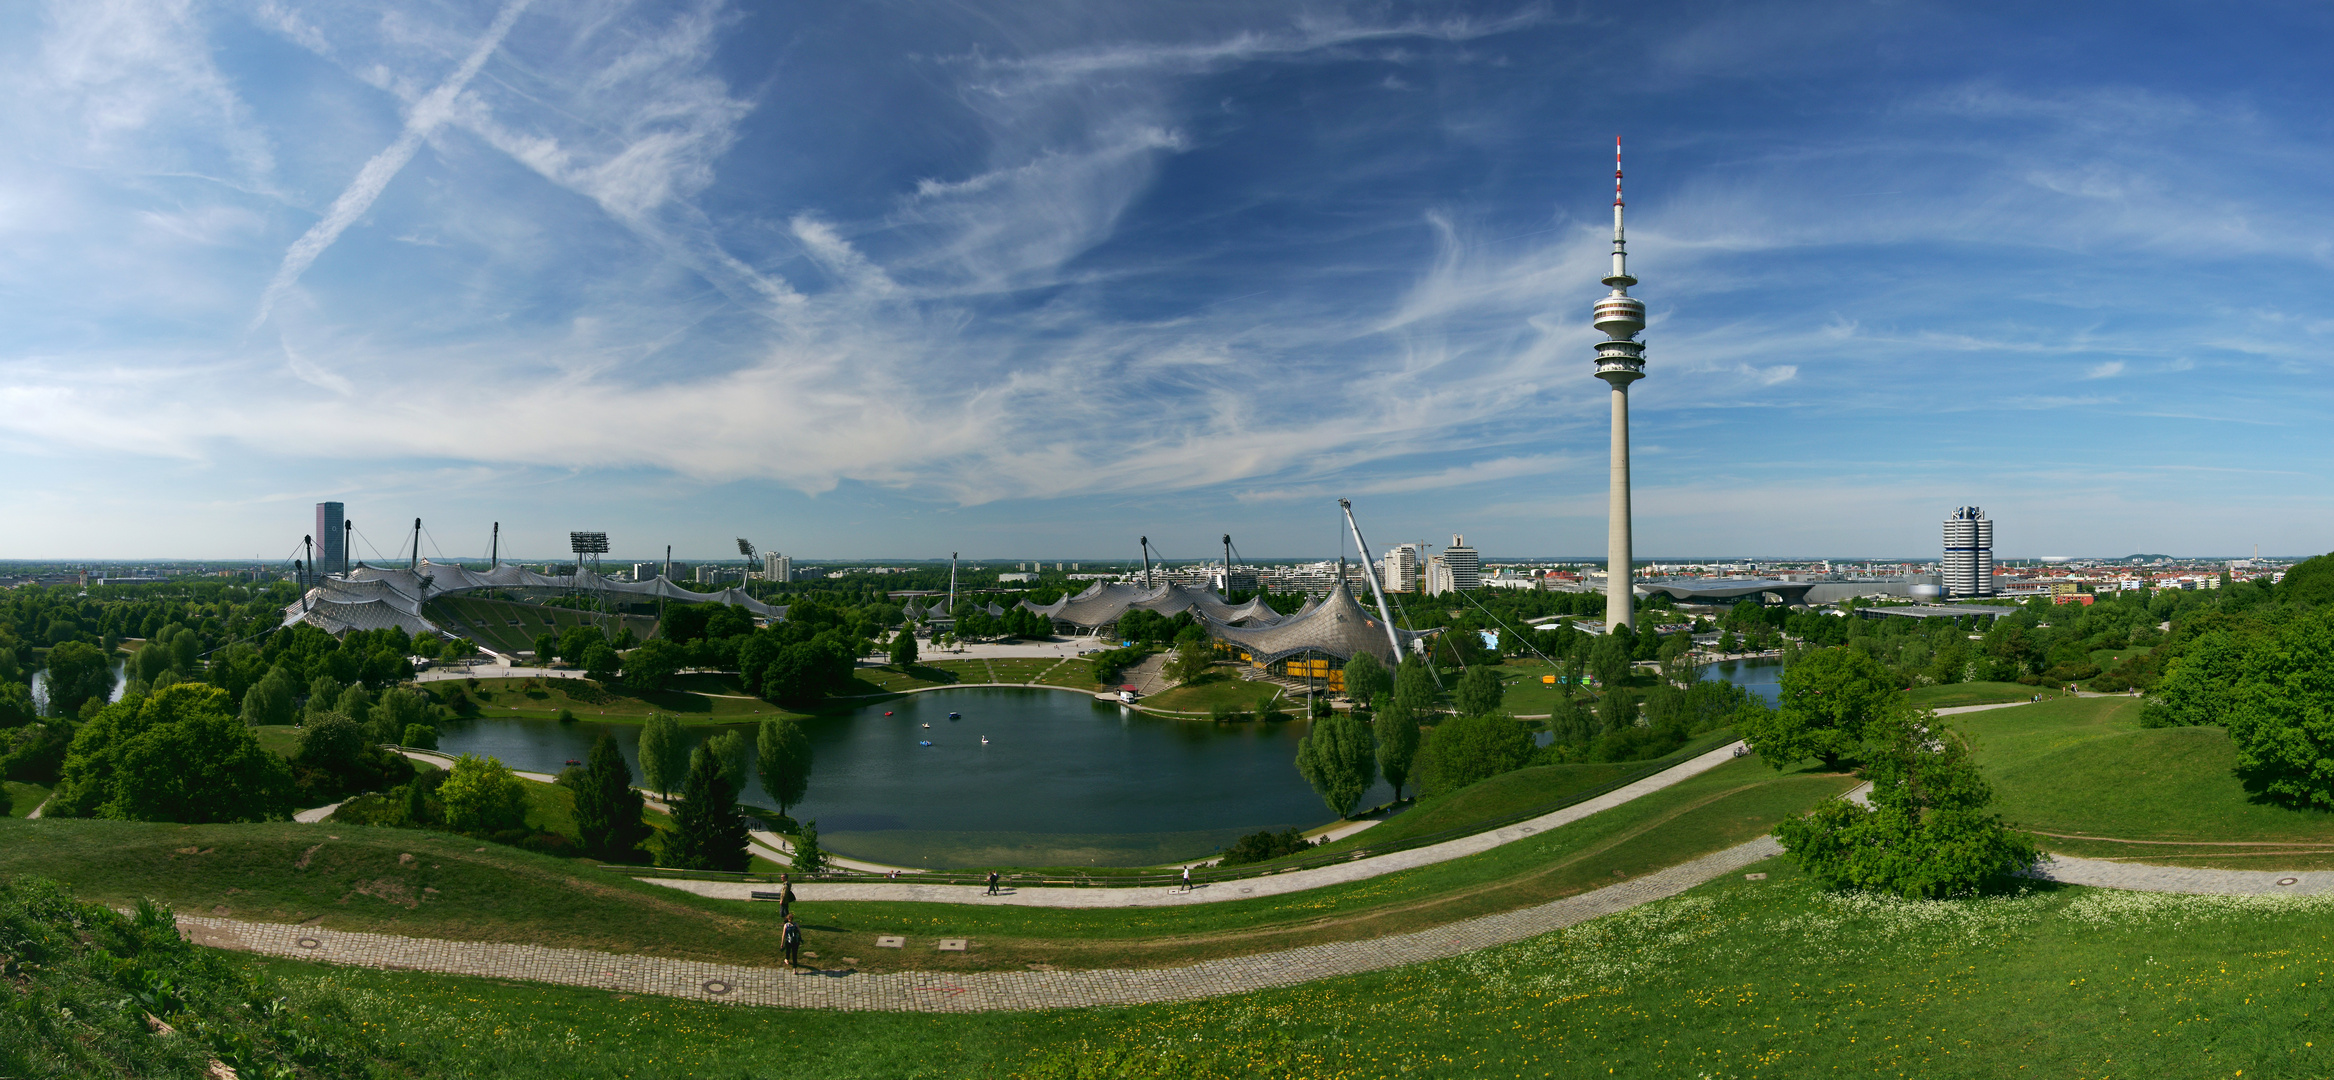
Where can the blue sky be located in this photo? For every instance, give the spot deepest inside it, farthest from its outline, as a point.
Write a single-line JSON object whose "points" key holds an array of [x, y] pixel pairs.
{"points": [[864, 279]]}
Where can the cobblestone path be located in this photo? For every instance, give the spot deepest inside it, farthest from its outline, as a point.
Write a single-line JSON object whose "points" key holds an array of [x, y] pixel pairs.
{"points": [[2195, 881], [982, 991]]}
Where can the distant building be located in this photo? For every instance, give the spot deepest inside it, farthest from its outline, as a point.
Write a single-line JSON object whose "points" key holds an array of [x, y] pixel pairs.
{"points": [[331, 555], [1439, 579], [1969, 553], [1398, 568], [642, 571], [710, 574], [776, 567], [1466, 567], [1018, 576]]}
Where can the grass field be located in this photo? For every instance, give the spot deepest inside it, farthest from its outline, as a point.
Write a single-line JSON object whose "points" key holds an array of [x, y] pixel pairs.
{"points": [[699, 699], [1972, 693], [2084, 768], [1218, 687], [24, 798], [1526, 695], [1737, 978], [281, 872], [283, 739]]}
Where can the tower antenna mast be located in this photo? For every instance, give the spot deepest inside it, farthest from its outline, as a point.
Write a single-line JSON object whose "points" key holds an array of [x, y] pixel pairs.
{"points": [[1620, 361]]}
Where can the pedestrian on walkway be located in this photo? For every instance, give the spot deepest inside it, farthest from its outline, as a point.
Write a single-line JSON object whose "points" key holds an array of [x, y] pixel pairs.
{"points": [[1187, 879], [791, 938], [785, 896], [992, 883]]}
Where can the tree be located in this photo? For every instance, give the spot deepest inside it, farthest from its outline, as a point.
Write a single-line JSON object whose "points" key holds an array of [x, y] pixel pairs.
{"points": [[2281, 712], [607, 810], [782, 751], [419, 736], [398, 711], [662, 753], [1927, 832], [1465, 749], [482, 796], [1414, 686], [1366, 678], [194, 763], [354, 702], [709, 831], [271, 701], [601, 663], [323, 694], [809, 857], [2310, 581], [1826, 698], [1480, 691], [1609, 659], [903, 646], [734, 750], [546, 648], [1192, 660], [1337, 759], [1396, 728], [78, 673], [652, 665]]}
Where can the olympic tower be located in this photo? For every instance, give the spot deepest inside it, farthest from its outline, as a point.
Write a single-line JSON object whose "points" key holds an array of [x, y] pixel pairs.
{"points": [[1620, 361]]}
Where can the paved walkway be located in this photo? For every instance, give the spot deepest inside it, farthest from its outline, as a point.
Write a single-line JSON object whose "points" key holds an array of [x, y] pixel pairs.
{"points": [[979, 991], [2193, 881], [1280, 884]]}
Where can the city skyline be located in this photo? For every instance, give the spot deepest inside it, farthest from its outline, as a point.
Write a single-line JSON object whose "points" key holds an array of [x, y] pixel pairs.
{"points": [[492, 262]]}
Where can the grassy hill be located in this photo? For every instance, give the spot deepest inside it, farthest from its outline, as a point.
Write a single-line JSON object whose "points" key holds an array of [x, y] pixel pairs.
{"points": [[2084, 768], [708, 698]]}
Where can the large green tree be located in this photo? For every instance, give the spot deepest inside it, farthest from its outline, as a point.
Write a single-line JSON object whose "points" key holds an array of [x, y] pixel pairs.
{"points": [[399, 710], [903, 646], [1465, 749], [783, 753], [273, 700], [194, 763], [1927, 831], [608, 812], [1609, 659], [1415, 687], [482, 796], [709, 831], [2281, 712], [1480, 691], [663, 753], [1366, 678], [734, 749], [1396, 729], [1337, 758], [78, 672], [652, 665], [2310, 581], [1826, 699]]}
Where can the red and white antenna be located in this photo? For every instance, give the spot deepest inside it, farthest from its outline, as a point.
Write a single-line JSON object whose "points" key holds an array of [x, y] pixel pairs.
{"points": [[1616, 170]]}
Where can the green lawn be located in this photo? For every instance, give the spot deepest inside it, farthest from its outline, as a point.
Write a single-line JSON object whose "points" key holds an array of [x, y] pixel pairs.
{"points": [[281, 872], [551, 808], [1218, 687], [2107, 659], [1526, 695], [1737, 978], [1076, 674], [24, 798], [283, 739], [697, 699], [1972, 693], [2084, 767]]}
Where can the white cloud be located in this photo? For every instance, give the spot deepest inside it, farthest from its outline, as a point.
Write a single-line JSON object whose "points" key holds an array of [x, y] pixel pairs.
{"points": [[2107, 370]]}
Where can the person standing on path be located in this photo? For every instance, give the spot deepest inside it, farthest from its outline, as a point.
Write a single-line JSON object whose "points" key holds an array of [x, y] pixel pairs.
{"points": [[992, 883], [785, 896], [791, 938]]}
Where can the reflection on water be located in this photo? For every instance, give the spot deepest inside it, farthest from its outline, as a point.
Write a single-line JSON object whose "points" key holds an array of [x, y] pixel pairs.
{"points": [[1762, 677], [40, 686], [1064, 779]]}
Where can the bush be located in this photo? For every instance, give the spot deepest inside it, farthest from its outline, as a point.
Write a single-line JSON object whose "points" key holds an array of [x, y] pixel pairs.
{"points": [[1258, 847], [1927, 832], [421, 736], [482, 797], [1465, 749]]}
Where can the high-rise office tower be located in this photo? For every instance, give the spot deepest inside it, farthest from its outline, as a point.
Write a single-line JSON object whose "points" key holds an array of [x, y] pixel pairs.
{"points": [[331, 546], [1969, 553], [1620, 361], [1466, 566], [1398, 568], [776, 567]]}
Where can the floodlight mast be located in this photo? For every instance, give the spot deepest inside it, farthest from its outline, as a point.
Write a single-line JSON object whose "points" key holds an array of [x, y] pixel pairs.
{"points": [[1369, 570], [308, 545]]}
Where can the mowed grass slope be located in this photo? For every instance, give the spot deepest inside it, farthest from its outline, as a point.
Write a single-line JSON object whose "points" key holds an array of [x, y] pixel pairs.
{"points": [[24, 798], [1767, 979], [290, 873], [1951, 695], [2083, 767]]}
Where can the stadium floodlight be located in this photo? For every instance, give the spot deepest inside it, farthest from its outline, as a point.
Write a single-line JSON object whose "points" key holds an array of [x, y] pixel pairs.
{"points": [[745, 547], [588, 543]]}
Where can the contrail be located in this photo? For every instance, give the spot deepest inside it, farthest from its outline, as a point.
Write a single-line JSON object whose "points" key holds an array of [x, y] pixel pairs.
{"points": [[427, 114]]}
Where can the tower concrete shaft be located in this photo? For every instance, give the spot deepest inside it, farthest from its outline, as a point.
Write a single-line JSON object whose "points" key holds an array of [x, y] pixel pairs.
{"points": [[1620, 361]]}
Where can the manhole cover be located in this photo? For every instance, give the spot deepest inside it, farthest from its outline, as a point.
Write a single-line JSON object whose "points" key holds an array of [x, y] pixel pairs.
{"points": [[2287, 880], [889, 942], [716, 987], [308, 943]]}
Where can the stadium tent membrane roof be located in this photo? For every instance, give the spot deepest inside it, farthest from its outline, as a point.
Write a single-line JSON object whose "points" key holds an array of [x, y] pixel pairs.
{"points": [[1339, 626], [1103, 602], [373, 598], [1712, 592]]}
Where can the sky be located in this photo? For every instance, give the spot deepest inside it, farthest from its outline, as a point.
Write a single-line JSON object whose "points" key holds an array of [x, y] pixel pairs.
{"points": [[859, 279]]}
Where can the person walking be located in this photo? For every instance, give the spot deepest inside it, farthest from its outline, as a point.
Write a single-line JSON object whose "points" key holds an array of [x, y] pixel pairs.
{"points": [[791, 938], [785, 896], [992, 883], [1187, 879]]}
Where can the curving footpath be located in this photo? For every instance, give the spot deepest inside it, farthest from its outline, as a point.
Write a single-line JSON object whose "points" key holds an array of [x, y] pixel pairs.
{"points": [[978, 991], [1255, 888]]}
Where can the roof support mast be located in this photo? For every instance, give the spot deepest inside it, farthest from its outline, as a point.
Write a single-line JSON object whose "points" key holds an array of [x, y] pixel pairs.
{"points": [[1369, 570], [1146, 542], [414, 561]]}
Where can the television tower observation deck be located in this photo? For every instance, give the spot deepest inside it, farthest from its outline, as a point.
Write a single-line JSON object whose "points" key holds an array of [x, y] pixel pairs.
{"points": [[1620, 361]]}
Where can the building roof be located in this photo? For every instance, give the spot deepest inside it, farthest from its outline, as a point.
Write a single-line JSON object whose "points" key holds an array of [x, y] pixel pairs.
{"points": [[1338, 626], [374, 598], [1707, 590], [1103, 602]]}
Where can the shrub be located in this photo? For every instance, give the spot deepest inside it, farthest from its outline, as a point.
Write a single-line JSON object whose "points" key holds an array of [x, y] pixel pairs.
{"points": [[1260, 846], [482, 797], [1463, 750]]}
